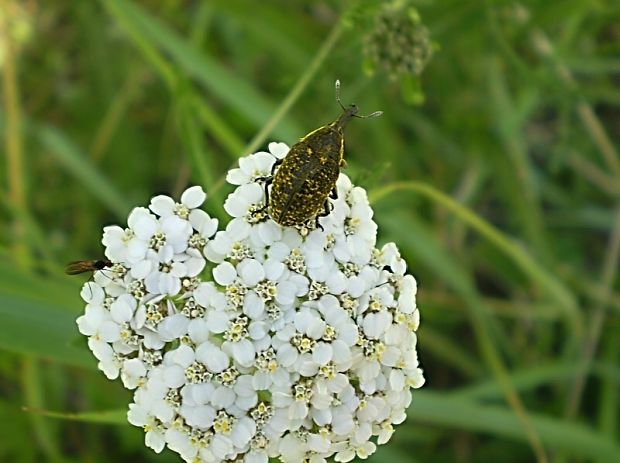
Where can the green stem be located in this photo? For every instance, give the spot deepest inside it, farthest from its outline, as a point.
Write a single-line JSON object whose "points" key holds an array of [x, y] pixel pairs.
{"points": [[14, 148], [297, 89], [597, 320], [539, 275], [292, 96]]}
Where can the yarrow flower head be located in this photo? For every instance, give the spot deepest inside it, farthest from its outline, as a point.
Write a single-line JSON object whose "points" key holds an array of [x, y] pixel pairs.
{"points": [[256, 341]]}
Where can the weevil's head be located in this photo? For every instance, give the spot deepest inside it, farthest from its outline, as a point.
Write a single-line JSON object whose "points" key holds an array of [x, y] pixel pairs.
{"points": [[349, 112]]}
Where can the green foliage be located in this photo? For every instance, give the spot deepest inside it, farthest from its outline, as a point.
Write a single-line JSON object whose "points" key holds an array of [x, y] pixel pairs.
{"points": [[501, 186]]}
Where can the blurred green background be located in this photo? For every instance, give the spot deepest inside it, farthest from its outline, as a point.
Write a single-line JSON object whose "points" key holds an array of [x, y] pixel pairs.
{"points": [[495, 169]]}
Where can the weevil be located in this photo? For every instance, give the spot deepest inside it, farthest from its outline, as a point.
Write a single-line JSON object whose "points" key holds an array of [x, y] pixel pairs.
{"points": [[307, 175], [83, 266]]}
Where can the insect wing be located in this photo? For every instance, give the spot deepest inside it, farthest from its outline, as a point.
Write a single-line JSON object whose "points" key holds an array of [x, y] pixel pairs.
{"points": [[79, 266]]}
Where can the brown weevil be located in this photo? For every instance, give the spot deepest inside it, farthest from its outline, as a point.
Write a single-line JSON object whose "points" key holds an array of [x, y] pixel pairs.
{"points": [[308, 173]]}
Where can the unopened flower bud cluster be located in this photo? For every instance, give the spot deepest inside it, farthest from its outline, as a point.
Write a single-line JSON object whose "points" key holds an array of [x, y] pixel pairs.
{"points": [[399, 42], [256, 341]]}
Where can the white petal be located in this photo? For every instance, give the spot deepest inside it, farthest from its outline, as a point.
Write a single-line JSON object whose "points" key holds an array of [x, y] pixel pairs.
{"points": [[322, 353], [217, 321], [243, 352], [286, 292], [183, 355], [173, 327], [110, 331], [203, 223], [224, 274], [253, 306], [251, 272], [212, 357], [174, 376], [92, 293], [162, 205], [142, 222], [223, 397], [155, 440], [235, 205], [122, 309], [273, 269], [193, 197], [279, 150]]}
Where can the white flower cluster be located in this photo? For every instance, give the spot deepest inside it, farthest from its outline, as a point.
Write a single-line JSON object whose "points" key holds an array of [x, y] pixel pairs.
{"points": [[257, 341]]}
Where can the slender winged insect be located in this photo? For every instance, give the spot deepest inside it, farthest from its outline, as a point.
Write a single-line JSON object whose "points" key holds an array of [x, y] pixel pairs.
{"points": [[83, 266], [307, 175]]}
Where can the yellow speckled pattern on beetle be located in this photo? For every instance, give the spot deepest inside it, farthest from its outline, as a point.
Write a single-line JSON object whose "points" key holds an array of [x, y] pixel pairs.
{"points": [[307, 175], [309, 172]]}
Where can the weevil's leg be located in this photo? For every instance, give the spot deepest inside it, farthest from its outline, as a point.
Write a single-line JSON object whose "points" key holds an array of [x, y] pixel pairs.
{"points": [[269, 178], [334, 193], [276, 164], [268, 181], [327, 208], [316, 222]]}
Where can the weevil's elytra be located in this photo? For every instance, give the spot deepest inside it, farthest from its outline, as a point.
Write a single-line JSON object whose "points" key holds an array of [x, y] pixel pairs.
{"points": [[308, 173]]}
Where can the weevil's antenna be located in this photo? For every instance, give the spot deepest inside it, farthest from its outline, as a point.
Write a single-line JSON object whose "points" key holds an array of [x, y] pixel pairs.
{"points": [[352, 109], [367, 116], [338, 95]]}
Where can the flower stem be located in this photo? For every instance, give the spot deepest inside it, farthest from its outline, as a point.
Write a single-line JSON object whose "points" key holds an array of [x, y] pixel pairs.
{"points": [[294, 94], [15, 161], [297, 89]]}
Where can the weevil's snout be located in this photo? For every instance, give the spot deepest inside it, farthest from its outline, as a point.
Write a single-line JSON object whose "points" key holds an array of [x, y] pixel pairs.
{"points": [[349, 112]]}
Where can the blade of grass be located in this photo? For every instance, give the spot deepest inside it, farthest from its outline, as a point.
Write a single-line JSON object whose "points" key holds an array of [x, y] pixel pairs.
{"points": [[610, 392], [223, 83], [113, 117], [523, 380], [588, 117], [597, 318], [21, 251], [450, 352], [555, 433], [225, 136], [517, 179], [541, 277], [12, 133], [295, 92], [81, 168], [34, 233], [42, 330], [22, 283], [428, 250], [114, 417], [34, 397], [201, 162], [292, 96], [499, 307]]}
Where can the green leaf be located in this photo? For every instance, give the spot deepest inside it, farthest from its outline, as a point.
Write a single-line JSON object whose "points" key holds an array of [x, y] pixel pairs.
{"points": [[539, 275], [116, 417], [555, 433], [222, 82], [81, 168], [35, 322]]}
